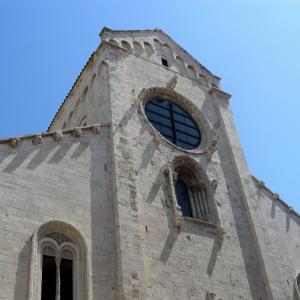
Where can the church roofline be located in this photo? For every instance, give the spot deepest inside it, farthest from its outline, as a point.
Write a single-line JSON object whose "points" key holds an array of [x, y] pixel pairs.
{"points": [[106, 29], [103, 44]]}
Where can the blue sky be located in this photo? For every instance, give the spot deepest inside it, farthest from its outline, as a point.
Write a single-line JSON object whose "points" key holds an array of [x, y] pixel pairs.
{"points": [[253, 45]]}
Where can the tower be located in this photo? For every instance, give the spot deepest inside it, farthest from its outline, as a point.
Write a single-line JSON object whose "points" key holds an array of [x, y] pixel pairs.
{"points": [[140, 190]]}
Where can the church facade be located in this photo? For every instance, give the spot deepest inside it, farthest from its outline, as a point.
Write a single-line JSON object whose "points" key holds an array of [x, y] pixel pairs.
{"points": [[139, 189]]}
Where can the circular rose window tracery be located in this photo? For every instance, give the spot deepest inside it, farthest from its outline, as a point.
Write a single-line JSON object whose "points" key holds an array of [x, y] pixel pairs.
{"points": [[173, 122]]}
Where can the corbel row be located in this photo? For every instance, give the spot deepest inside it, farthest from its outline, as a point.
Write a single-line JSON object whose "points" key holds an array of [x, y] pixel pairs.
{"points": [[276, 197], [57, 135]]}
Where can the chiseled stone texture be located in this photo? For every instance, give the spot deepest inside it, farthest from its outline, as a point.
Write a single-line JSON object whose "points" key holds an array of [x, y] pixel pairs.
{"points": [[67, 181], [110, 186]]}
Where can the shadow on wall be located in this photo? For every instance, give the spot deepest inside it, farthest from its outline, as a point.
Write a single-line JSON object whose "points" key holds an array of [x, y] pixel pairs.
{"points": [[22, 274], [275, 206], [243, 230]]}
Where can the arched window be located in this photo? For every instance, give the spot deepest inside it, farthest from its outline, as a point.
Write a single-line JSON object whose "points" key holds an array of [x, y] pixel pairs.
{"points": [[192, 190], [58, 254], [58, 269]]}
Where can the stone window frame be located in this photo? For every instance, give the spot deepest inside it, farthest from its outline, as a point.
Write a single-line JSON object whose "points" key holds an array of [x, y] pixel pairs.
{"points": [[74, 242], [203, 124], [172, 172]]}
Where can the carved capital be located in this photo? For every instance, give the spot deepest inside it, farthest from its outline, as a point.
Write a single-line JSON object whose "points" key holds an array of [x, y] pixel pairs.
{"points": [[175, 176], [37, 139], [58, 135], [77, 132]]}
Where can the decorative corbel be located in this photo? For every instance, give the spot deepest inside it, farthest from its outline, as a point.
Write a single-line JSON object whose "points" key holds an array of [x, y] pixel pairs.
{"points": [[58, 135], [96, 129], [77, 132], [14, 142], [156, 138], [37, 139], [210, 295], [214, 184], [220, 233], [172, 83], [211, 149]]}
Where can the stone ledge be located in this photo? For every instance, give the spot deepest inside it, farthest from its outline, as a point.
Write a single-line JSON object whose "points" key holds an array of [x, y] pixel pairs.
{"points": [[57, 134], [261, 185]]}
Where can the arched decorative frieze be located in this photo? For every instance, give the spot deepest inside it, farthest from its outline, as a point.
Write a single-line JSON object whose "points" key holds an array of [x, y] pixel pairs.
{"points": [[148, 49], [114, 42], [63, 243], [138, 49], [126, 45]]}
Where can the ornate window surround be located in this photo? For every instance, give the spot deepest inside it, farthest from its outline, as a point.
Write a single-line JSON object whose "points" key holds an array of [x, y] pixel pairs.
{"points": [[65, 237], [183, 164], [207, 135]]}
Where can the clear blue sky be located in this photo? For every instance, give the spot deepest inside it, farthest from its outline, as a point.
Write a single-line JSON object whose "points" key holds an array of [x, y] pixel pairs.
{"points": [[253, 45]]}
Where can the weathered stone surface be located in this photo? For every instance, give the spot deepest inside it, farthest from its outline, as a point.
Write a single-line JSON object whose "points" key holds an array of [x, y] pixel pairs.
{"points": [[111, 183]]}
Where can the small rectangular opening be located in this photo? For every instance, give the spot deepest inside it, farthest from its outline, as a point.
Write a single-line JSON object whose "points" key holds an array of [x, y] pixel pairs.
{"points": [[66, 279], [164, 62], [48, 278]]}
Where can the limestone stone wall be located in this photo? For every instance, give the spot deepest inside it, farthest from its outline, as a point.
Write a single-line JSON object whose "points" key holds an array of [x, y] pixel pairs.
{"points": [[88, 100], [279, 226], [157, 260], [69, 181]]}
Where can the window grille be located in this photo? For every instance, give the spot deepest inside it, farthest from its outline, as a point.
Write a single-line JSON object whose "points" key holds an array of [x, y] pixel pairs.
{"points": [[174, 123]]}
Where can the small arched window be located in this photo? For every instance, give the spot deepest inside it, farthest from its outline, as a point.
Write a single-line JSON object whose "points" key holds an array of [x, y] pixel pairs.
{"points": [[192, 192], [58, 254], [58, 267]]}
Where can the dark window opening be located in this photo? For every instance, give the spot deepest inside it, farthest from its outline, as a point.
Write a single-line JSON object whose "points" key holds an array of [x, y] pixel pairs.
{"points": [[48, 278], [183, 200], [66, 279], [164, 62], [173, 123]]}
